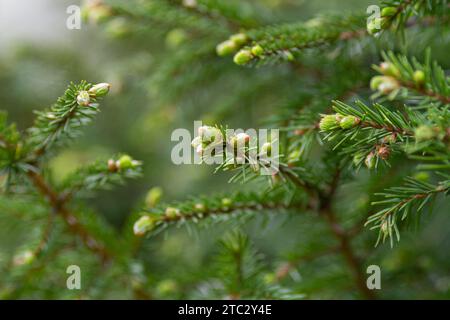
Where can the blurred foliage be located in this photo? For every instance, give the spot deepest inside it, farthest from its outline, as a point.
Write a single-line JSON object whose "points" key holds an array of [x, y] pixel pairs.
{"points": [[165, 75]]}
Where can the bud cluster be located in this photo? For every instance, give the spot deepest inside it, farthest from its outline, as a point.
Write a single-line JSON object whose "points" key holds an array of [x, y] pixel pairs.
{"points": [[376, 25], [235, 45], [232, 44], [208, 138], [125, 162], [84, 98], [391, 78], [334, 121]]}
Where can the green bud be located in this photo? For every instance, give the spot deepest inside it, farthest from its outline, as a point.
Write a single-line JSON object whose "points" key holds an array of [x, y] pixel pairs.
{"points": [[153, 197], [96, 13], [239, 39], [172, 213], [175, 37], [358, 157], [23, 258], [266, 149], [242, 57], [166, 287], [422, 176], [100, 89], [388, 11], [83, 98], [257, 50], [329, 122], [389, 69], [125, 162], [226, 48], [289, 56], [349, 122], [200, 207], [270, 278], [118, 27], [370, 160], [143, 225], [419, 77], [388, 85], [227, 202], [424, 133], [375, 82], [374, 26]]}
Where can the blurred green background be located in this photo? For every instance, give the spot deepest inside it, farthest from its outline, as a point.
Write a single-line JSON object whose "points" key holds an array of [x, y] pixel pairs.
{"points": [[39, 56]]}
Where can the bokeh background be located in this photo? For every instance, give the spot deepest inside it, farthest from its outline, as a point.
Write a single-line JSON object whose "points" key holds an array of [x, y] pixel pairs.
{"points": [[39, 56]]}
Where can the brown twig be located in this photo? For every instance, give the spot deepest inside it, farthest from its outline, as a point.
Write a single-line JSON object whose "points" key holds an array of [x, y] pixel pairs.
{"points": [[58, 204], [344, 239], [425, 92]]}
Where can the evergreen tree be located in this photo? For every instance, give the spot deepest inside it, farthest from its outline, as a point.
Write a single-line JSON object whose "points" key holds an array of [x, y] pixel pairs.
{"points": [[362, 105]]}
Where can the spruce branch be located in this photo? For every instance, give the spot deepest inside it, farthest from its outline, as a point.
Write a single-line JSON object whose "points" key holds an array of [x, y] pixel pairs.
{"points": [[75, 109], [59, 206], [165, 15], [400, 14], [216, 208], [63, 120], [343, 236], [102, 175], [239, 272], [283, 42], [402, 76], [402, 202]]}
